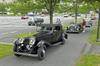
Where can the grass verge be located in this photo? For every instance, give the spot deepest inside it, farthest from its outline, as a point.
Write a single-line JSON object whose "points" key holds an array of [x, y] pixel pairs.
{"points": [[92, 37], [89, 60], [5, 50]]}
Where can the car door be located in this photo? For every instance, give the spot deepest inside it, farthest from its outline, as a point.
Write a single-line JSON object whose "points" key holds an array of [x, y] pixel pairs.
{"points": [[57, 33], [49, 36]]}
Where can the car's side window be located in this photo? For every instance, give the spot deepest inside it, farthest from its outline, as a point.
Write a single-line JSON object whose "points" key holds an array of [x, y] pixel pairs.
{"points": [[49, 28], [57, 28]]}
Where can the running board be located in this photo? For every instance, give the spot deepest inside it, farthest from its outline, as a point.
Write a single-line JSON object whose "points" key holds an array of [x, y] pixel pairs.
{"points": [[58, 43], [26, 54]]}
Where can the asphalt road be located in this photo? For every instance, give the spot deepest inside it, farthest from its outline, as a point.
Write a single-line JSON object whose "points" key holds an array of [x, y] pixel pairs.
{"points": [[62, 55]]}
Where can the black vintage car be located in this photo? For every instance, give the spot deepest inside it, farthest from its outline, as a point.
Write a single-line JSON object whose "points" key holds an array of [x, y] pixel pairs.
{"points": [[49, 35], [74, 28]]}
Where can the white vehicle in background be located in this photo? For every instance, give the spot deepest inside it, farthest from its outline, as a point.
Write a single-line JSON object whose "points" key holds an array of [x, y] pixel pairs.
{"points": [[66, 15], [31, 14], [33, 20]]}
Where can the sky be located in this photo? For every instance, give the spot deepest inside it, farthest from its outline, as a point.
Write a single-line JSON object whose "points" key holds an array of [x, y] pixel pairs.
{"points": [[6, 0]]}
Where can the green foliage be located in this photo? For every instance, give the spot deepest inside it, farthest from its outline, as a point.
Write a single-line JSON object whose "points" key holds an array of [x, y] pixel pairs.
{"points": [[89, 60], [2, 8], [24, 1], [92, 37], [25, 6], [5, 50], [84, 8]]}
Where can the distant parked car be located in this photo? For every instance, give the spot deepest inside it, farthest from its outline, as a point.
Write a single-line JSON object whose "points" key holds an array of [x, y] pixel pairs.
{"points": [[43, 15], [74, 28], [66, 15], [73, 15], [24, 17], [35, 21], [78, 15]]}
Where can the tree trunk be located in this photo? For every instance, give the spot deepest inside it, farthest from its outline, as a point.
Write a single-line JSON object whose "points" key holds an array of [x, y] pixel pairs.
{"points": [[98, 27], [86, 15], [51, 12], [76, 12]]}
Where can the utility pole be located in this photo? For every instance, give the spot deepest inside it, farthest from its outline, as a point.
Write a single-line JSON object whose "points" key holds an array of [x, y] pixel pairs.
{"points": [[98, 27]]}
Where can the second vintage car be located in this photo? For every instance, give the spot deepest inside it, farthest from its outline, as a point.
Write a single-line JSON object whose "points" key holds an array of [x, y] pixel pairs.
{"points": [[74, 28]]}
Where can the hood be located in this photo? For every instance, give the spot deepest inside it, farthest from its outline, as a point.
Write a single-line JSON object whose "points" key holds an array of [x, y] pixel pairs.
{"points": [[41, 33]]}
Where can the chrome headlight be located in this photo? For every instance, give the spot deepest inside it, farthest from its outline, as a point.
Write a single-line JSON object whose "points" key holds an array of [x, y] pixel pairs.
{"points": [[20, 40], [32, 41]]}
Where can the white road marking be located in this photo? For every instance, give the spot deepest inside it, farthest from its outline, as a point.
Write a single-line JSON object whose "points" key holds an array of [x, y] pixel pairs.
{"points": [[6, 43], [8, 33], [14, 32]]}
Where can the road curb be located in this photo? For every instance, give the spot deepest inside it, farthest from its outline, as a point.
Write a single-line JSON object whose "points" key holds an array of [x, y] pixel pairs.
{"points": [[6, 43], [87, 48]]}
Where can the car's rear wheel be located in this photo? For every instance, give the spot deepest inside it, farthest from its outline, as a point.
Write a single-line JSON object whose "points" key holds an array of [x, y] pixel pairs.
{"points": [[64, 37], [29, 24], [41, 53]]}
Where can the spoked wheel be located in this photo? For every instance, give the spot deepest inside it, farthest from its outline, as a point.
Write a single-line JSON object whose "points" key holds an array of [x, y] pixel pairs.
{"points": [[41, 53]]}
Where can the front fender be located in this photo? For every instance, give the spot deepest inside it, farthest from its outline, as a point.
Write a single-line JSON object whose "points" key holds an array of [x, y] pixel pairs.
{"points": [[41, 44], [16, 42]]}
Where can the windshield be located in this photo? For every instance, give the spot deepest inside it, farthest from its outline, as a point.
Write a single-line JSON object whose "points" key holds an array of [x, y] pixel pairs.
{"points": [[46, 28]]}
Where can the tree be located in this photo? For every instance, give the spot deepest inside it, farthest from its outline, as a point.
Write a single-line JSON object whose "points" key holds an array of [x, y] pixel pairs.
{"points": [[75, 5], [2, 8], [24, 1], [25, 7], [98, 27], [50, 7]]}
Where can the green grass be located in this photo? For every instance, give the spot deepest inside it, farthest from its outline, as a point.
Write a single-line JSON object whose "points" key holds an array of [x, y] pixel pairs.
{"points": [[5, 50], [25, 34], [92, 37], [65, 25], [89, 60]]}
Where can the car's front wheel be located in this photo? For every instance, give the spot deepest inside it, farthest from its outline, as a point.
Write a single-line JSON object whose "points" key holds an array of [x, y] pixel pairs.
{"points": [[41, 53], [29, 24]]}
